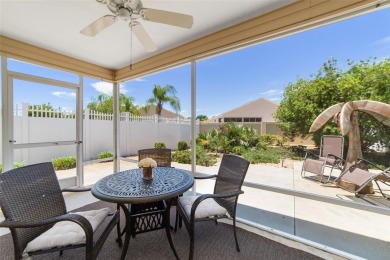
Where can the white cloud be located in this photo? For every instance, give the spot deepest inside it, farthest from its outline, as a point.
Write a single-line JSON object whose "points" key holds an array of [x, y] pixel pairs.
{"points": [[275, 99], [67, 109], [271, 92], [140, 79], [103, 87], [106, 88], [384, 41], [63, 94]]}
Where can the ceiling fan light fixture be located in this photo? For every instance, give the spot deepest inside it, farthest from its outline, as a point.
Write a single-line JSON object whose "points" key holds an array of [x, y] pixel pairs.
{"points": [[124, 14]]}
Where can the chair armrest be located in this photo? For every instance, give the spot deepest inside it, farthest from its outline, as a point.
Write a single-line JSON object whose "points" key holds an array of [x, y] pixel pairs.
{"points": [[370, 163], [205, 177], [335, 156], [76, 189], [214, 196]]}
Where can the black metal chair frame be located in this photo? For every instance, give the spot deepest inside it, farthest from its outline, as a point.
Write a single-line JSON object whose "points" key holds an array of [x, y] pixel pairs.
{"points": [[162, 156], [32, 202], [227, 188]]}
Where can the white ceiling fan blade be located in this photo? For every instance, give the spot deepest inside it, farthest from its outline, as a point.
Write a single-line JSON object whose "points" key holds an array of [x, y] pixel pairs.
{"points": [[98, 25], [143, 36], [166, 17]]}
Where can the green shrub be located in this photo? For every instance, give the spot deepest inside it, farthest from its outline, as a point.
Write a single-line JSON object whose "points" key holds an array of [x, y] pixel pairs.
{"points": [[159, 145], [202, 158], [266, 156], [64, 163], [297, 152], [280, 140], [268, 139], [103, 155], [202, 140], [182, 157], [261, 146], [16, 165], [182, 145], [238, 150]]}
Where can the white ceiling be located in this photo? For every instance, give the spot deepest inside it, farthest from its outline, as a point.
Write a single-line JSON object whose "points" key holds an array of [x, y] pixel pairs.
{"points": [[55, 25]]}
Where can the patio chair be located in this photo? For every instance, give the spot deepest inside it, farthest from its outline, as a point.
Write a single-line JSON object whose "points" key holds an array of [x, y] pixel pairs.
{"points": [[357, 179], [162, 156], [331, 155], [221, 204], [35, 212]]}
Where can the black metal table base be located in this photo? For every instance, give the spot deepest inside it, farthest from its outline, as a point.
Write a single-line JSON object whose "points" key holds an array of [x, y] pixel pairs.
{"points": [[141, 218]]}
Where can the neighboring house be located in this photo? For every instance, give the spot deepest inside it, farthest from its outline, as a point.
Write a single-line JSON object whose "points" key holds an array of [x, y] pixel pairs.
{"points": [[259, 110], [164, 113]]}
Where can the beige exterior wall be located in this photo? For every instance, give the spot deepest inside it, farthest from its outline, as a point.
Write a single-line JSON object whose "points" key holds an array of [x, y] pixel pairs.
{"points": [[164, 113], [261, 107]]}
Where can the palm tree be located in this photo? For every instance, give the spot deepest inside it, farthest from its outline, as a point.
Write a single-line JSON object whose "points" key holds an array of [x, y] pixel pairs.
{"points": [[162, 95], [346, 115], [104, 104]]}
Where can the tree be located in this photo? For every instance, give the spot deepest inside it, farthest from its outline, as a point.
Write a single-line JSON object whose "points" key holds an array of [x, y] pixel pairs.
{"points": [[104, 104], [202, 118], [163, 95], [306, 98], [44, 110]]}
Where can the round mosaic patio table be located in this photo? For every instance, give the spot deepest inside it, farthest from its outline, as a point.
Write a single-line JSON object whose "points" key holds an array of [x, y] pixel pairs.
{"points": [[152, 199], [129, 186]]}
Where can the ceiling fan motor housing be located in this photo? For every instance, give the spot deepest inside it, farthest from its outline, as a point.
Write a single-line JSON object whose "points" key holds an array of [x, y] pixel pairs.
{"points": [[124, 14]]}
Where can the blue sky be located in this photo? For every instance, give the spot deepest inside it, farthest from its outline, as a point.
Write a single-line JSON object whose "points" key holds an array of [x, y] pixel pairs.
{"points": [[236, 78]]}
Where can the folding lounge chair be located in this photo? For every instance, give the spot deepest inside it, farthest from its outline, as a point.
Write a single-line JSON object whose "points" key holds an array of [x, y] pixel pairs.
{"points": [[361, 178], [331, 155]]}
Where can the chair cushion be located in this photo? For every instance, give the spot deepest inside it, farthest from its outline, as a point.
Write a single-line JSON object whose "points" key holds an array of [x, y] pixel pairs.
{"points": [[207, 208], [67, 233]]}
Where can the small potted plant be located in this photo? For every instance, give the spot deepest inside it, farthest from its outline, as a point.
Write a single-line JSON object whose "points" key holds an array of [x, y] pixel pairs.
{"points": [[147, 166]]}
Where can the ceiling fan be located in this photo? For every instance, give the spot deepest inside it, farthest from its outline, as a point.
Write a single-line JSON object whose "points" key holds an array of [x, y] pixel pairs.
{"points": [[130, 11]]}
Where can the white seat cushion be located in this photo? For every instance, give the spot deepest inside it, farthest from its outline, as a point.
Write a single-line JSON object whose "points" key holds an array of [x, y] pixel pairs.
{"points": [[207, 208], [67, 233]]}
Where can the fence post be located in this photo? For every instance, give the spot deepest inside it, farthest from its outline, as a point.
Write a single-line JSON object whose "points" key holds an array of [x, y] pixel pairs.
{"points": [[24, 132], [179, 125], [127, 132], [87, 134]]}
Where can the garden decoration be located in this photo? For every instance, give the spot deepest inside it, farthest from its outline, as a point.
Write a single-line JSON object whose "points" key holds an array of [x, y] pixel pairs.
{"points": [[346, 115], [147, 166]]}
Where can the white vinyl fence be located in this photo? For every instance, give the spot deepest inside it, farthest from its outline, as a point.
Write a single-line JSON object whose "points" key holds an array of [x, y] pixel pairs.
{"points": [[36, 126]]}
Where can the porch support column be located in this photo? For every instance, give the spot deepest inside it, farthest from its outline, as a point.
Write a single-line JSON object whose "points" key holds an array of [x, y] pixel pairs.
{"points": [[193, 122], [116, 121], [79, 134], [7, 126]]}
